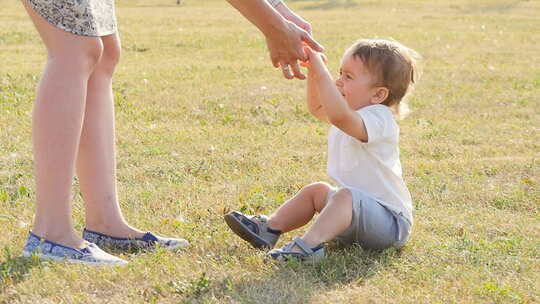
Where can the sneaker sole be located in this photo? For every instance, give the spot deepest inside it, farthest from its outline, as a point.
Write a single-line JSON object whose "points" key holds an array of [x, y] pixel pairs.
{"points": [[46, 257], [180, 245], [305, 259], [242, 231]]}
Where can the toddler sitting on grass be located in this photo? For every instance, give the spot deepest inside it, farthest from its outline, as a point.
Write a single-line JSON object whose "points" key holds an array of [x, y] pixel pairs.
{"points": [[371, 205]]}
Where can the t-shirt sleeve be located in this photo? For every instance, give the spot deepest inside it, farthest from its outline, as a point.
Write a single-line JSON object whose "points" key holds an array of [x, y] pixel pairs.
{"points": [[379, 122]]}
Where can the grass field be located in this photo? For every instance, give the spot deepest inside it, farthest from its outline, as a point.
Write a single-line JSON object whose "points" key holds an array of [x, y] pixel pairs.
{"points": [[205, 124]]}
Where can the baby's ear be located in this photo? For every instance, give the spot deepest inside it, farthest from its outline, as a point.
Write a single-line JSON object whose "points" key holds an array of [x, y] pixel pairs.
{"points": [[381, 93]]}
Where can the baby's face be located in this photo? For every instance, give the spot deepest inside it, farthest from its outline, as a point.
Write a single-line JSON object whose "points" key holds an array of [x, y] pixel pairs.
{"points": [[355, 83]]}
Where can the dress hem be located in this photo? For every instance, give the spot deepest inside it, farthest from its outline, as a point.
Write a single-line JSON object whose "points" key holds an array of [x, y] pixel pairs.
{"points": [[65, 28]]}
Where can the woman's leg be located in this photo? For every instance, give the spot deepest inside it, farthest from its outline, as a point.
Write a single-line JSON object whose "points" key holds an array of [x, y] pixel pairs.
{"points": [[300, 209], [334, 219], [96, 164], [56, 127]]}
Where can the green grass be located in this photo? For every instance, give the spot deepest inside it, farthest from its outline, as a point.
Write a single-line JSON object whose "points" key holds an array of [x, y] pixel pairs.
{"points": [[205, 124]]}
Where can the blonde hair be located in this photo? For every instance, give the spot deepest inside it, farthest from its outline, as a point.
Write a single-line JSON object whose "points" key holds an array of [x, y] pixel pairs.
{"points": [[393, 66]]}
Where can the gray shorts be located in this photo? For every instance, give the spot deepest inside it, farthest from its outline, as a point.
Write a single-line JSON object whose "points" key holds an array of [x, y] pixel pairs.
{"points": [[373, 225]]}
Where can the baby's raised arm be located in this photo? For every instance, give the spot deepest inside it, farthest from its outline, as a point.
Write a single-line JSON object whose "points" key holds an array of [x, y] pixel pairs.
{"points": [[326, 102], [313, 98]]}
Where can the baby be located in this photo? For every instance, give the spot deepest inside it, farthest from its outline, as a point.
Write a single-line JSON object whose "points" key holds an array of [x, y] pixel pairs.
{"points": [[371, 205]]}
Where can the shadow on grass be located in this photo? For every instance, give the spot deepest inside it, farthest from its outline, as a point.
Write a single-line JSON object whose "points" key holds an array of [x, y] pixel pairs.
{"points": [[295, 282], [298, 282], [15, 269]]}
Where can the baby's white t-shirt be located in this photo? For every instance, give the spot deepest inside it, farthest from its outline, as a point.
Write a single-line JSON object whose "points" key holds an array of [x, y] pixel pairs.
{"points": [[372, 167]]}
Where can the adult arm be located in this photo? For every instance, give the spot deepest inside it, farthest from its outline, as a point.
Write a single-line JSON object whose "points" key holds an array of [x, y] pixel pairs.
{"points": [[286, 12], [284, 38]]}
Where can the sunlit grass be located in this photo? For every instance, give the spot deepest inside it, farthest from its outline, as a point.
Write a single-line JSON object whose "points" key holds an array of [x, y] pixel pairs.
{"points": [[205, 125]]}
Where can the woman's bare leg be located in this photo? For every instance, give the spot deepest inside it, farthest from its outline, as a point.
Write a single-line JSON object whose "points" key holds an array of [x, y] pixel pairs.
{"points": [[96, 163], [56, 127]]}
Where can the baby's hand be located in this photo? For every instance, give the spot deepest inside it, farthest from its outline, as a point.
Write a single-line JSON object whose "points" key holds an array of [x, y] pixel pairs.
{"points": [[315, 59]]}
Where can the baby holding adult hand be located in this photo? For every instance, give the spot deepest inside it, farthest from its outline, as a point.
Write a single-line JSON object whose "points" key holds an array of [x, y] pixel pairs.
{"points": [[286, 33]]}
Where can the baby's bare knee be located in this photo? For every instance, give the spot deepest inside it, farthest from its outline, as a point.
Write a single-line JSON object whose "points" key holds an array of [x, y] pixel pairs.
{"points": [[318, 188], [342, 195], [318, 193]]}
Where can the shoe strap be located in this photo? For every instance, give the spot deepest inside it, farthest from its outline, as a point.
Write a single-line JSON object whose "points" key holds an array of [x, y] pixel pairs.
{"points": [[261, 219], [302, 245], [263, 224]]}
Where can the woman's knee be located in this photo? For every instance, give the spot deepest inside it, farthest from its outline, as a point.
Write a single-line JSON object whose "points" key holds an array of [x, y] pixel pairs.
{"points": [[82, 57], [110, 58], [111, 54]]}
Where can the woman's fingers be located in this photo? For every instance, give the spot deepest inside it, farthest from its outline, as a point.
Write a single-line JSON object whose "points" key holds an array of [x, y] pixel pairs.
{"points": [[312, 43], [296, 70], [308, 51], [286, 70], [274, 58], [292, 70], [324, 58], [285, 53], [308, 28]]}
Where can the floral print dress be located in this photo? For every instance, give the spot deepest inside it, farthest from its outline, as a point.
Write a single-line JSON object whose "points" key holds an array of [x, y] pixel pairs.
{"points": [[81, 17]]}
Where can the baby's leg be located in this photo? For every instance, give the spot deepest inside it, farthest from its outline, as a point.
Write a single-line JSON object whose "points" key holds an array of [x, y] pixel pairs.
{"points": [[300, 209], [334, 219]]}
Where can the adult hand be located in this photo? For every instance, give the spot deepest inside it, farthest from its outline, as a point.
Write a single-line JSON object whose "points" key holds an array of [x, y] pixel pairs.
{"points": [[287, 47], [283, 37]]}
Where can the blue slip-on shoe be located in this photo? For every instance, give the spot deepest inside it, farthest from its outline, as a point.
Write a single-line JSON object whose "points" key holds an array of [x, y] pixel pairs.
{"points": [[47, 250], [306, 255], [147, 241]]}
